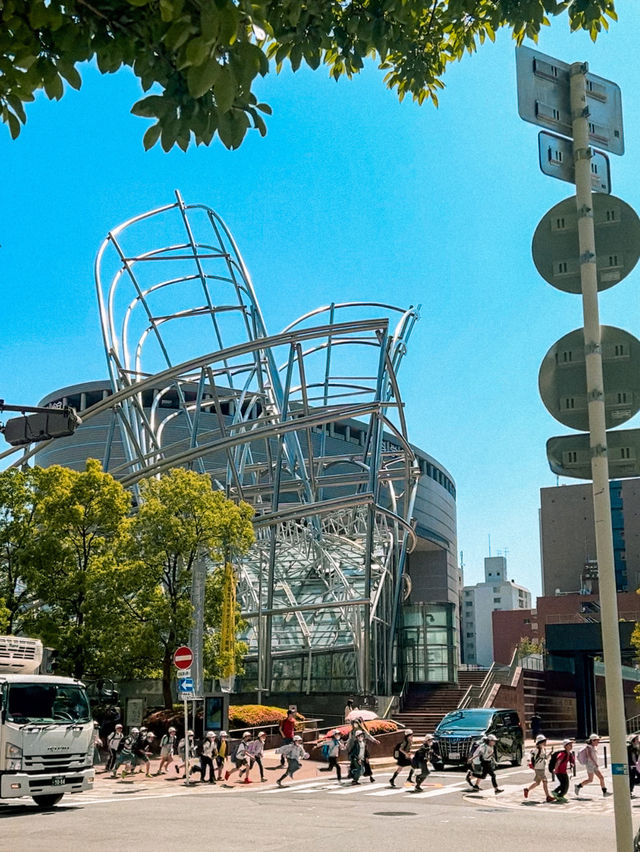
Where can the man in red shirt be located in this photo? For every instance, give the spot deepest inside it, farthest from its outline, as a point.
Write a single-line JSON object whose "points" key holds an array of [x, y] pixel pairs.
{"points": [[287, 730]]}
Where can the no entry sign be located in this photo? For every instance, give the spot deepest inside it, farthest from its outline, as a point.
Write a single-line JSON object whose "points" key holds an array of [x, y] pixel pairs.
{"points": [[183, 657]]}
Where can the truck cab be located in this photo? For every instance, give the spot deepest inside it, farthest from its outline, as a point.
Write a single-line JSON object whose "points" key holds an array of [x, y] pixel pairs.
{"points": [[46, 729]]}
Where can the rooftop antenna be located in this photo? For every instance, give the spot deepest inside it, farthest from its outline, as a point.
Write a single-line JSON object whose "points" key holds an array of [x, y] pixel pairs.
{"points": [[489, 536]]}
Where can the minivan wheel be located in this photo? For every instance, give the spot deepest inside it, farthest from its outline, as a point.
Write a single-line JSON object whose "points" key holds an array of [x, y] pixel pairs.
{"points": [[47, 801], [517, 760]]}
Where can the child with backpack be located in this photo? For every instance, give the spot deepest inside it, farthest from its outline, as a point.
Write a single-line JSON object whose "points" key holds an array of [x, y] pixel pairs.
{"points": [[538, 762], [241, 760], [331, 751], [419, 762], [483, 763], [560, 764], [588, 757], [633, 759], [294, 754], [402, 756]]}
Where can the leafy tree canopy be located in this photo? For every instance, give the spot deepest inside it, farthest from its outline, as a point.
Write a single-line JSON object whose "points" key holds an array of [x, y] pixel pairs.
{"points": [[17, 539], [81, 519], [181, 519], [200, 58]]}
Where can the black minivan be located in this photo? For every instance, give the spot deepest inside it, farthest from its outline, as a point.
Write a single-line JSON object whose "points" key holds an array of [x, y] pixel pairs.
{"points": [[461, 730]]}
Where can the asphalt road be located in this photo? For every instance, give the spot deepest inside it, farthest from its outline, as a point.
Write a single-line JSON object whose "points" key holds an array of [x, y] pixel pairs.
{"points": [[314, 814]]}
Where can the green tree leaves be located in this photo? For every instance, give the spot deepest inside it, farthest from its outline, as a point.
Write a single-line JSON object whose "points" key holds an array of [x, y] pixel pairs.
{"points": [[111, 590], [201, 57]]}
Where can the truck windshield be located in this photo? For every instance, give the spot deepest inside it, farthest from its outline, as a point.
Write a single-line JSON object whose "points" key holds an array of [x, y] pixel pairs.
{"points": [[466, 719], [46, 702]]}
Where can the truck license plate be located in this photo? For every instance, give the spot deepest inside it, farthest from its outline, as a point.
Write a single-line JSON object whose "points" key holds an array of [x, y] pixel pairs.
{"points": [[57, 781], [454, 755]]}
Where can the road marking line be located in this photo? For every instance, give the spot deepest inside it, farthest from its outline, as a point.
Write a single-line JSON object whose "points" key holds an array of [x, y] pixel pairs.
{"points": [[389, 792], [299, 787], [356, 788]]}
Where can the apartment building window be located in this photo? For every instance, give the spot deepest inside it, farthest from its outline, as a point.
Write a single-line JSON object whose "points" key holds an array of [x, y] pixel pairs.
{"points": [[497, 600]]}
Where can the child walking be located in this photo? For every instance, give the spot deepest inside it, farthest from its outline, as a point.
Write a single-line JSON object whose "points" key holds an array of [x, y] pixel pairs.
{"points": [[538, 763], [588, 757]]}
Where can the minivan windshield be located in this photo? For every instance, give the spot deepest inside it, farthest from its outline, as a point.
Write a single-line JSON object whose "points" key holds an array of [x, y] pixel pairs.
{"points": [[465, 720], [46, 703]]}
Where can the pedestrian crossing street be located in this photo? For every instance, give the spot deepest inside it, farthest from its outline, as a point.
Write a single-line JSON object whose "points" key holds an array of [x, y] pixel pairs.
{"points": [[436, 785]]}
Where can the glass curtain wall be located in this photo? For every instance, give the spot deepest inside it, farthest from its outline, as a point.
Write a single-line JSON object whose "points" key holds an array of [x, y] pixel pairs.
{"points": [[427, 644]]}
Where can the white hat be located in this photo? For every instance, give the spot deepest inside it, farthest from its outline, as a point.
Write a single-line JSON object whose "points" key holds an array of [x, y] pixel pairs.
{"points": [[428, 738], [209, 735], [335, 733], [246, 734], [297, 738], [119, 726], [224, 734], [541, 738], [262, 734], [134, 731], [567, 741], [172, 729], [593, 737], [492, 737], [408, 732], [360, 734], [150, 734]]}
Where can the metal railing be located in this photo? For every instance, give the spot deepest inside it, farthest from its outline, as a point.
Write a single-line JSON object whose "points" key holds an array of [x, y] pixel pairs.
{"points": [[497, 676]]}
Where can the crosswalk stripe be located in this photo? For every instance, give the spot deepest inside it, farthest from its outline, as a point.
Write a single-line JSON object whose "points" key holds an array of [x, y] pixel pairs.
{"points": [[355, 789], [298, 788], [442, 791], [390, 791]]}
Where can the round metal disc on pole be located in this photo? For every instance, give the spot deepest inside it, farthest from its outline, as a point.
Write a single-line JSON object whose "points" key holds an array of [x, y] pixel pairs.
{"points": [[562, 380], [556, 251]]}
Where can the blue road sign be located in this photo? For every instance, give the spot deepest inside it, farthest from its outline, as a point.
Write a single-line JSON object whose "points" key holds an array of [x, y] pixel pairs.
{"points": [[185, 684]]}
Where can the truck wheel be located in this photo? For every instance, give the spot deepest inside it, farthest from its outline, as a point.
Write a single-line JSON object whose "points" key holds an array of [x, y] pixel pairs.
{"points": [[47, 801], [517, 759]]}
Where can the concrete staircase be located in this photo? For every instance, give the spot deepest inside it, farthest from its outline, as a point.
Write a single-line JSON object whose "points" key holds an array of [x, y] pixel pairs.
{"points": [[425, 705], [556, 707]]}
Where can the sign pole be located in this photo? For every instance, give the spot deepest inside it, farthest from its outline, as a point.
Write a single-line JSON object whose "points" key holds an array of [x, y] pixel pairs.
{"points": [[187, 778], [599, 460]]}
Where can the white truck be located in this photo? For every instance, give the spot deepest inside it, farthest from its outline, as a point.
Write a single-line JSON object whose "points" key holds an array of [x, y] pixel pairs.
{"points": [[46, 729]]}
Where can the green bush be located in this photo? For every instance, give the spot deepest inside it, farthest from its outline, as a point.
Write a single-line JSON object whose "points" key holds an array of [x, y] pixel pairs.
{"points": [[240, 716]]}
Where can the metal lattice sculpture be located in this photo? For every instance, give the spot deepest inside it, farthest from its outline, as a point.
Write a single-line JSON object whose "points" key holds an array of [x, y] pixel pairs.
{"points": [[306, 425]]}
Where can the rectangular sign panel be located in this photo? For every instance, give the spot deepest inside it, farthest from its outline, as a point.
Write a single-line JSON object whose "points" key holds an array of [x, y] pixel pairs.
{"points": [[544, 99], [556, 160]]}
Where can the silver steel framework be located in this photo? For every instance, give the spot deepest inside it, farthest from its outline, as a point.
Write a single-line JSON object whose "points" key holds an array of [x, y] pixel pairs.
{"points": [[307, 425]]}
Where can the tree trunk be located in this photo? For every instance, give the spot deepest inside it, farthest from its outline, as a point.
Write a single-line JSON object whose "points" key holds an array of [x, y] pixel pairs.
{"points": [[166, 680]]}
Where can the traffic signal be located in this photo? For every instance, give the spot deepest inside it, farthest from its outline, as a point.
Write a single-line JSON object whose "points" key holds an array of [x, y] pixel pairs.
{"points": [[52, 423]]}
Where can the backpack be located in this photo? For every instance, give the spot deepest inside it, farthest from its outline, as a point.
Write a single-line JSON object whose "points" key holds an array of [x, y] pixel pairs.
{"points": [[396, 753], [583, 756], [553, 760], [325, 752]]}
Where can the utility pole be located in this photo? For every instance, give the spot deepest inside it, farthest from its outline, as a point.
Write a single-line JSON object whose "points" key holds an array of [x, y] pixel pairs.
{"points": [[585, 109], [599, 459]]}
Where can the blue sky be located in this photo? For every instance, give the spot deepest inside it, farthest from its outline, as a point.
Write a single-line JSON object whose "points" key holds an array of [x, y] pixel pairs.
{"points": [[350, 195]]}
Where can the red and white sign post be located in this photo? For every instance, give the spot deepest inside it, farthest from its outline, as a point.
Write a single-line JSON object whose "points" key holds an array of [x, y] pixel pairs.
{"points": [[182, 659]]}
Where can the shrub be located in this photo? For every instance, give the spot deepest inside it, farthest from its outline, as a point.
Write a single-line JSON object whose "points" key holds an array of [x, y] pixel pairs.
{"points": [[252, 715], [240, 716]]}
